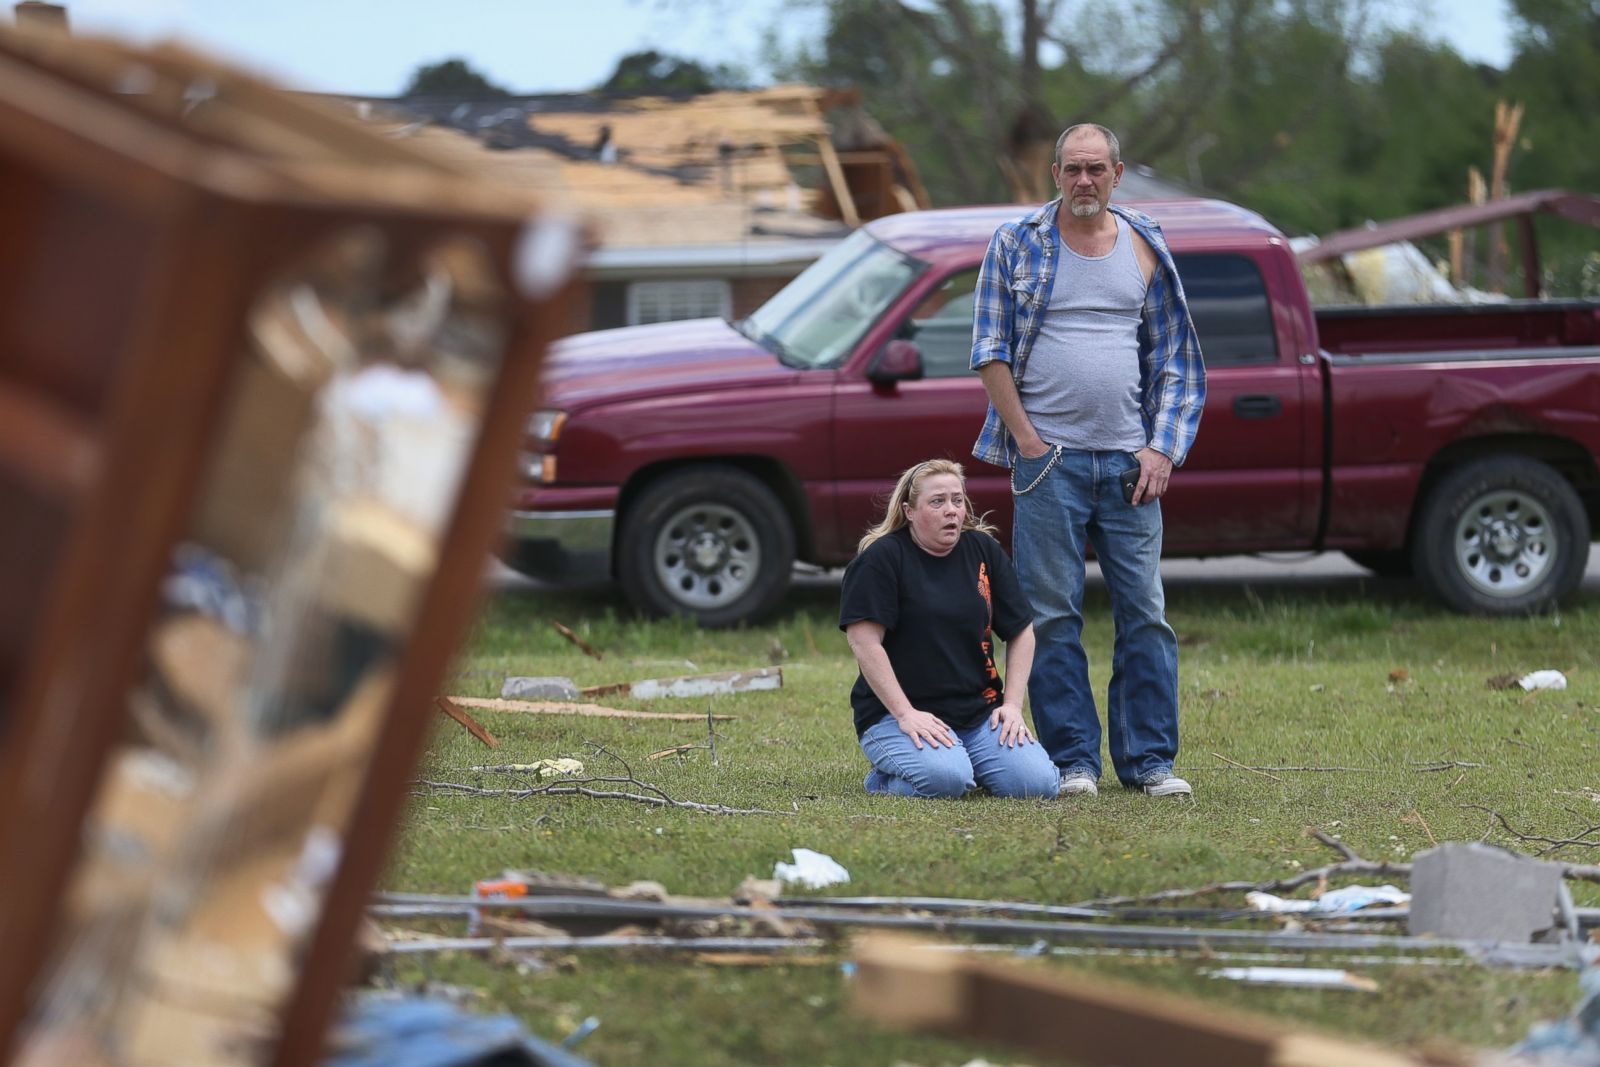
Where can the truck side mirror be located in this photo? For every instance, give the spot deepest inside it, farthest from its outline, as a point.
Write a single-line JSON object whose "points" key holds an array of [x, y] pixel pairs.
{"points": [[899, 361]]}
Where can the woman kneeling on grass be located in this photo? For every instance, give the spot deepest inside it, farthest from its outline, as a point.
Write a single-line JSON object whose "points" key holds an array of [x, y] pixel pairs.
{"points": [[928, 590]]}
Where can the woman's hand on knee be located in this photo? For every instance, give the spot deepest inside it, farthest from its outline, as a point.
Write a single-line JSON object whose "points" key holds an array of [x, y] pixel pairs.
{"points": [[920, 726], [1007, 718]]}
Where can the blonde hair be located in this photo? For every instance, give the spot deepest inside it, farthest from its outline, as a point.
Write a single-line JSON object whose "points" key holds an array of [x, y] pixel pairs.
{"points": [[905, 493]]}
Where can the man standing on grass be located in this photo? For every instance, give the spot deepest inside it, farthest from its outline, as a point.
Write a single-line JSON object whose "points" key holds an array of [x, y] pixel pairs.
{"points": [[1084, 342]]}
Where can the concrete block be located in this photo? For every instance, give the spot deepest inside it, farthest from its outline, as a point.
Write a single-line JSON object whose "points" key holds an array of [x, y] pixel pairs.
{"points": [[539, 689], [1479, 892]]}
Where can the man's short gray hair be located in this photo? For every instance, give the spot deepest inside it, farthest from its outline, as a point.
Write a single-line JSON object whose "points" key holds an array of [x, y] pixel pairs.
{"points": [[1111, 139]]}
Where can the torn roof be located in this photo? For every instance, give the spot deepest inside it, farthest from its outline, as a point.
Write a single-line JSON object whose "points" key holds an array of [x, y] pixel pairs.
{"points": [[645, 171]]}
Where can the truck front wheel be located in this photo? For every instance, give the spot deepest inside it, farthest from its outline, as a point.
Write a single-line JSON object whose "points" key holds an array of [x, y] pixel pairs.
{"points": [[1501, 536], [710, 542]]}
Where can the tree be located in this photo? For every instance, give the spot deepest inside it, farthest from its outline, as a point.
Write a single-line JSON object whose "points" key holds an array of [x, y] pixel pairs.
{"points": [[978, 89], [1555, 75], [452, 77], [659, 74]]}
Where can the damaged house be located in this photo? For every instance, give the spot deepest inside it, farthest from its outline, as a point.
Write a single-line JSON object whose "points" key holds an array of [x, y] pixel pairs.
{"points": [[700, 206]]}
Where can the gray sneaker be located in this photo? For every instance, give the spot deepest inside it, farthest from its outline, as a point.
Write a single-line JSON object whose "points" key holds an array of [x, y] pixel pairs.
{"points": [[1078, 783], [1166, 784]]}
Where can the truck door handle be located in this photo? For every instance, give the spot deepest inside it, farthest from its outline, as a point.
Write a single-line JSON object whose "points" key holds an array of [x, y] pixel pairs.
{"points": [[1257, 406]]}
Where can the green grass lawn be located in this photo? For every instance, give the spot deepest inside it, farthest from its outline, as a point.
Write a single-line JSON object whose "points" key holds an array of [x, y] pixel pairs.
{"points": [[1368, 678]]}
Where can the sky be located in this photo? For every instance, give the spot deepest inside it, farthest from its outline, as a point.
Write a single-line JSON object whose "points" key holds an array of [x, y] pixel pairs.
{"points": [[370, 47]]}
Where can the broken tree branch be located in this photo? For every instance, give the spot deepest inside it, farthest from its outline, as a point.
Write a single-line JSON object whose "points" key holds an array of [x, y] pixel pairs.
{"points": [[579, 786], [1352, 864], [1242, 767], [566, 632], [1335, 843], [640, 792], [1552, 842]]}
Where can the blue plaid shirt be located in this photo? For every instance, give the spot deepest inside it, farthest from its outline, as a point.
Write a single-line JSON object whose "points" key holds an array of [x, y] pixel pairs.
{"points": [[1013, 292]]}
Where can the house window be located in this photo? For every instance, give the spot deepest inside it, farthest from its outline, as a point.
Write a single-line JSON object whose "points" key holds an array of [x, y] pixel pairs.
{"points": [[667, 301]]}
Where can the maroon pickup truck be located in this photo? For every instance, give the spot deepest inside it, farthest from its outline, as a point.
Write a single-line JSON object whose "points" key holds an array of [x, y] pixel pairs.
{"points": [[695, 462]]}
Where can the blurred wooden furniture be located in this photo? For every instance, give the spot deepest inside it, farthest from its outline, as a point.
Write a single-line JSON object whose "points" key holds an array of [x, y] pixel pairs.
{"points": [[146, 200]]}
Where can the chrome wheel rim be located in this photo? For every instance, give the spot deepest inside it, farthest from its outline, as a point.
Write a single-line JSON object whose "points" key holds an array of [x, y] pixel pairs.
{"points": [[1504, 543], [707, 556]]}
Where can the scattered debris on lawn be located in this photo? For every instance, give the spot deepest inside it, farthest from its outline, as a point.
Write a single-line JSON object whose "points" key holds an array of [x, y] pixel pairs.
{"points": [[474, 727], [598, 711], [632, 787], [566, 631], [545, 768], [561, 943], [675, 750], [583, 1030], [693, 685], [814, 870], [542, 688], [559, 912], [1335, 901], [1296, 977]]}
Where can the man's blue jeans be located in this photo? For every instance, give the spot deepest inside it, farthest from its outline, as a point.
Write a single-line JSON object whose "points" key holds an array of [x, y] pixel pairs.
{"points": [[901, 769], [1078, 502]]}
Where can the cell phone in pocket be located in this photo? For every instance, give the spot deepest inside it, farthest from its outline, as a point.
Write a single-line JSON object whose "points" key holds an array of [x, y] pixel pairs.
{"points": [[1130, 482]]}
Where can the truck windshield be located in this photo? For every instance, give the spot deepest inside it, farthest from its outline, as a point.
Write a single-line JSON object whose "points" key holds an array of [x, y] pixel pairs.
{"points": [[817, 319]]}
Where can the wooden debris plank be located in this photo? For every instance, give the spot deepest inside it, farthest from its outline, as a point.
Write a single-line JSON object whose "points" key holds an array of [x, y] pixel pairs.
{"points": [[597, 711], [474, 727], [693, 685], [905, 983]]}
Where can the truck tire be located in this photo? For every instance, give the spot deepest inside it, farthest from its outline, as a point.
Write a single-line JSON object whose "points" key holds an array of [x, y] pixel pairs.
{"points": [[1501, 536], [709, 542], [1384, 562]]}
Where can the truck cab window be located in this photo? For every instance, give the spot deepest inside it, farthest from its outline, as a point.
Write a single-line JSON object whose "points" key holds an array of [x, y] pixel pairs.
{"points": [[942, 327], [1232, 314], [816, 319]]}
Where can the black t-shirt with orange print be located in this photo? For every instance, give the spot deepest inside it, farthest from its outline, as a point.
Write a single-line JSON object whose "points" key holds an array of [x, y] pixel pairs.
{"points": [[936, 612]]}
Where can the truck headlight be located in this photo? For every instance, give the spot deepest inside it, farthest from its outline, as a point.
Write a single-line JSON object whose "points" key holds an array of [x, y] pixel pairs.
{"points": [[545, 426], [538, 467]]}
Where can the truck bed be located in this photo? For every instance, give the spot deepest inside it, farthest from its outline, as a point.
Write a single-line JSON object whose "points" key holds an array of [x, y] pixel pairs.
{"points": [[1461, 330]]}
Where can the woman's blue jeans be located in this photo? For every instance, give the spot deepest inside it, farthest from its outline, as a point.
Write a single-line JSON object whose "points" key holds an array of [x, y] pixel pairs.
{"points": [[1076, 503], [901, 769]]}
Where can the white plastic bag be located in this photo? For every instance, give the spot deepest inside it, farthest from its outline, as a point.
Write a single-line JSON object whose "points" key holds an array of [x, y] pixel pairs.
{"points": [[813, 870], [1543, 680]]}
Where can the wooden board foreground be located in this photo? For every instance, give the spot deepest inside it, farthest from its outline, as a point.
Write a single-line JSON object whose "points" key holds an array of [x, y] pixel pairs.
{"points": [[544, 707], [908, 984]]}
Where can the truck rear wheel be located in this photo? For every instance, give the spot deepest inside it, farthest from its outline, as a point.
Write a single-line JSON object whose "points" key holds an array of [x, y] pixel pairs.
{"points": [[710, 542], [1502, 536]]}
